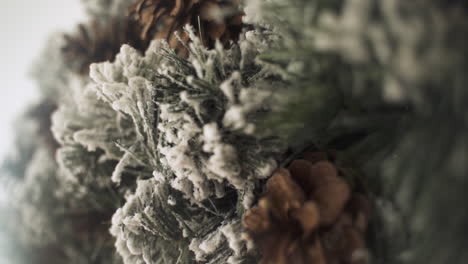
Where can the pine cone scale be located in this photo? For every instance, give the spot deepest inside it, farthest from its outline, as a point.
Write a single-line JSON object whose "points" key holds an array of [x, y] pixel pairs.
{"points": [[301, 170], [178, 8], [160, 19], [285, 193], [313, 213], [256, 219], [308, 216], [99, 41]]}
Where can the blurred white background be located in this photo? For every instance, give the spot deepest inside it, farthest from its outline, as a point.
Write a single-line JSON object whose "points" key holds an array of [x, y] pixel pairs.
{"points": [[24, 27]]}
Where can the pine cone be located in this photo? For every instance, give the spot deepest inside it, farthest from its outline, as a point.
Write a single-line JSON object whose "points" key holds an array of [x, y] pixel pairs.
{"points": [[309, 214], [161, 18], [100, 41]]}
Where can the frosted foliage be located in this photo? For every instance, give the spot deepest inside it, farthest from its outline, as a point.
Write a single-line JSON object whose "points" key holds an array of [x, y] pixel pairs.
{"points": [[78, 170], [395, 39], [126, 86], [194, 126], [205, 246], [109, 119], [196, 130], [50, 69], [389, 32], [205, 133], [91, 132], [227, 234], [37, 190], [185, 138], [137, 232], [86, 121], [148, 225]]}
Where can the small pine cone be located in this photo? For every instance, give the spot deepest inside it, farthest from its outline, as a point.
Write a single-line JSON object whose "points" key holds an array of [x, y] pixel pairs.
{"points": [[309, 214], [100, 41], [160, 19]]}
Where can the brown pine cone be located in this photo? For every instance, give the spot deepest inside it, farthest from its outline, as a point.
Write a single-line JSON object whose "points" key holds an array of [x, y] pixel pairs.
{"points": [[309, 214], [160, 19], [100, 41]]}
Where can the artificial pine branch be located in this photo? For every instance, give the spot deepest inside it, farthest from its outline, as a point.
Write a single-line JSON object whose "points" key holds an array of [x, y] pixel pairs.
{"points": [[178, 144]]}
